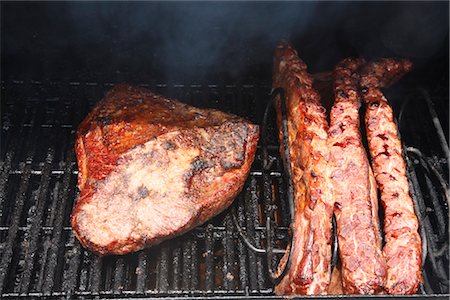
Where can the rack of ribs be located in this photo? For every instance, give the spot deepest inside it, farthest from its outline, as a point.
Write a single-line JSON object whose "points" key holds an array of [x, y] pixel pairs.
{"points": [[403, 246], [354, 190], [310, 267]]}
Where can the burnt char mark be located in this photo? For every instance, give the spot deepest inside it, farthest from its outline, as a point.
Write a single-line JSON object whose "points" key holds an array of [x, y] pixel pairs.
{"points": [[141, 193], [227, 165], [342, 93], [335, 132], [198, 165], [104, 120], [228, 145], [383, 136], [169, 145]]}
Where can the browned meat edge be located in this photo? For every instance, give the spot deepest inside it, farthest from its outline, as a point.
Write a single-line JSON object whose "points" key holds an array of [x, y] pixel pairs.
{"points": [[310, 268], [363, 266], [402, 249]]}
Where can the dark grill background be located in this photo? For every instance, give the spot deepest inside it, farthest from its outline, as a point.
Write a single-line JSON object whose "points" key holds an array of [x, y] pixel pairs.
{"points": [[59, 59]]}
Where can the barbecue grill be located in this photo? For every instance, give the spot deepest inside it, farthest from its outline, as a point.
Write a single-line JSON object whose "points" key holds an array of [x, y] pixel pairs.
{"points": [[231, 255]]}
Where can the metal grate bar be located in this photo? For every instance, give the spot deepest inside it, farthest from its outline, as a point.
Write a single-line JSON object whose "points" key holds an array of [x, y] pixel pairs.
{"points": [[31, 238], [209, 258], [119, 276], [436, 207], [176, 267], [255, 173], [95, 272], [194, 265], [251, 208], [282, 196], [84, 279], [35, 223], [53, 259], [187, 272], [269, 216], [162, 267], [424, 221], [229, 255], [242, 253], [71, 273], [437, 124], [12, 233], [20, 200], [141, 271], [6, 166]]}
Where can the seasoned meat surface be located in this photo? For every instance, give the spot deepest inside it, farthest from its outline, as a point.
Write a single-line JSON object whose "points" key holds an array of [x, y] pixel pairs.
{"points": [[403, 246], [363, 266], [151, 168], [310, 269]]}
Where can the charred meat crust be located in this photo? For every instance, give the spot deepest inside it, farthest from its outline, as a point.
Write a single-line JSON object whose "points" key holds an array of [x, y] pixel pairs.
{"points": [[363, 266], [153, 168], [310, 269], [403, 248]]}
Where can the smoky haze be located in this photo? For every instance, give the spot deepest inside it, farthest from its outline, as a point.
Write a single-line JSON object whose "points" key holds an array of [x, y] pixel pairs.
{"points": [[203, 40]]}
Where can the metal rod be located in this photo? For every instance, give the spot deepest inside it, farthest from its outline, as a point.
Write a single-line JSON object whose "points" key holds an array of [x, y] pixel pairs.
{"points": [[229, 255], [275, 275], [176, 267], [186, 267], [244, 237], [419, 205], [242, 250], [95, 272], [209, 259], [437, 124], [429, 167], [194, 265], [428, 239], [162, 281], [119, 275]]}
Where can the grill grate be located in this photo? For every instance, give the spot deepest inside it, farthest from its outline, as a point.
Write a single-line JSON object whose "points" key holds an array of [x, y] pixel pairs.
{"points": [[40, 256]]}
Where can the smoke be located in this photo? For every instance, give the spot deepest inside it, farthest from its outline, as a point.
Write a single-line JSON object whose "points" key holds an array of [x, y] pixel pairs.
{"points": [[198, 38], [204, 40]]}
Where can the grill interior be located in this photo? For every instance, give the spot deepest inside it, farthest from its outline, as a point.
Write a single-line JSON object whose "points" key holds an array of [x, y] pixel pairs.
{"points": [[58, 59], [41, 257]]}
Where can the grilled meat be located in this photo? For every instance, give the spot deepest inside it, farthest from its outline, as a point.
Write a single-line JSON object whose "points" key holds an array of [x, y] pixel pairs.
{"points": [[363, 266], [310, 268], [373, 192], [151, 168], [403, 249]]}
